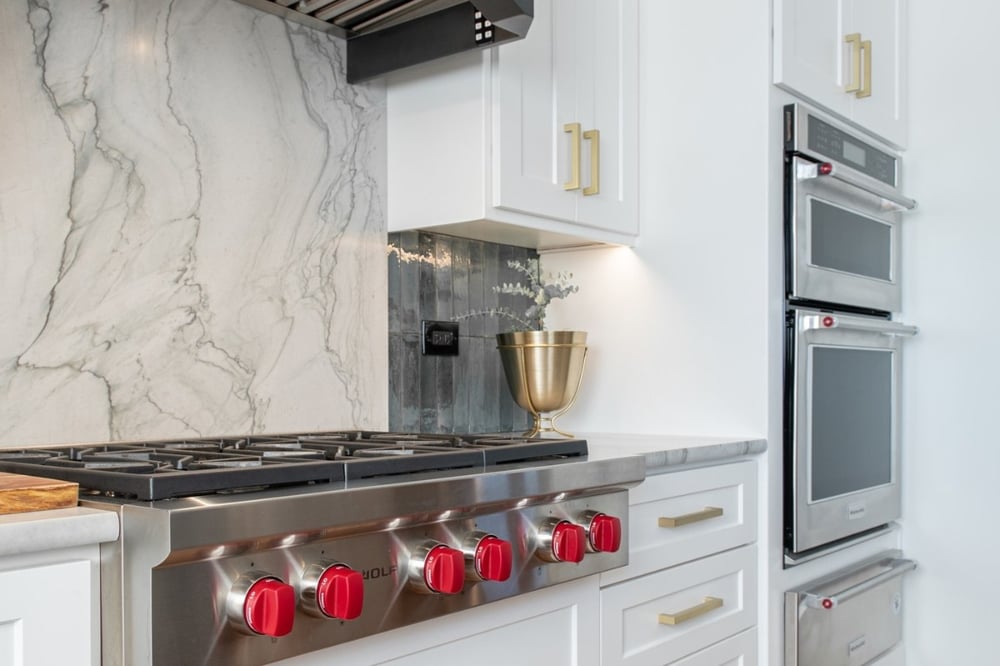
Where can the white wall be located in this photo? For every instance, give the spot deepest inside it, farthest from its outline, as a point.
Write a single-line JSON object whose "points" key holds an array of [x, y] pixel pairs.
{"points": [[951, 453], [682, 327], [678, 326]]}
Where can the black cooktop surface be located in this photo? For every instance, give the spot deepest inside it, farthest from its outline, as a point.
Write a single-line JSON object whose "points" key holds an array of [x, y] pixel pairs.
{"points": [[153, 470]]}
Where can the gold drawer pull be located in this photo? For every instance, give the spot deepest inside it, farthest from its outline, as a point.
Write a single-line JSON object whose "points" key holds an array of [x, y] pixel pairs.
{"points": [[709, 604], [688, 518]]}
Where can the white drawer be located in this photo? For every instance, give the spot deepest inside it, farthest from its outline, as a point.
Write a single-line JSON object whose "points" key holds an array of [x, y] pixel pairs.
{"points": [[676, 495], [740, 650], [633, 612]]}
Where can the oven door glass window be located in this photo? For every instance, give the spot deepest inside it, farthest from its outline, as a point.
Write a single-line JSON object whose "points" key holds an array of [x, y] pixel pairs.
{"points": [[843, 240], [851, 420]]}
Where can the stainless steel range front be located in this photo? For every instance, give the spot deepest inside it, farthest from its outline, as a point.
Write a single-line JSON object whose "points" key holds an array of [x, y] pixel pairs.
{"points": [[249, 550]]}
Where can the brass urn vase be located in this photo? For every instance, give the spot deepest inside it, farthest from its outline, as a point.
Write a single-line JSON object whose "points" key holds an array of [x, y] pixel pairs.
{"points": [[543, 370]]}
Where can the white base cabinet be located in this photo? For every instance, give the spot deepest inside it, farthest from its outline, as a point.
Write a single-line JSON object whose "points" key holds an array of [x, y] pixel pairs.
{"points": [[740, 650], [558, 626], [689, 594], [49, 613]]}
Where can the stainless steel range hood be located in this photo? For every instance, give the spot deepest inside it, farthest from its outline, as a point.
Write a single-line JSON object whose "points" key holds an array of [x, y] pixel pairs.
{"points": [[386, 35]]}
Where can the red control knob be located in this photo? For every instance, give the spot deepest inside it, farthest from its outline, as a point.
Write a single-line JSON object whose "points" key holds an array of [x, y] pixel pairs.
{"points": [[444, 570], [269, 607], [340, 592], [605, 533], [569, 542], [493, 558]]}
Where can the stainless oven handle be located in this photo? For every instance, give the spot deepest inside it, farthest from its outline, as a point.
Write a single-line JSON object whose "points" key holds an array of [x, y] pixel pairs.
{"points": [[890, 200], [897, 567], [824, 322]]}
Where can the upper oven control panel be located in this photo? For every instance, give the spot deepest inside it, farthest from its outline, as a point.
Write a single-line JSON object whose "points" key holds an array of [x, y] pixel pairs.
{"points": [[807, 132]]}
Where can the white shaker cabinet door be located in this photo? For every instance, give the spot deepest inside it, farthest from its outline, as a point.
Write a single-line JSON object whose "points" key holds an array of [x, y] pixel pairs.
{"points": [[608, 76], [808, 45], [45, 615], [824, 49], [880, 24], [567, 120], [536, 85]]}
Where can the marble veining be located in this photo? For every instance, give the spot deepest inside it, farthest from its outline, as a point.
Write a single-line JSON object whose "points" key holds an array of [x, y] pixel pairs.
{"points": [[191, 225]]}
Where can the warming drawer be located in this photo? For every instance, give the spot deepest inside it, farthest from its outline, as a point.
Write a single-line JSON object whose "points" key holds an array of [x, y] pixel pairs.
{"points": [[848, 618]]}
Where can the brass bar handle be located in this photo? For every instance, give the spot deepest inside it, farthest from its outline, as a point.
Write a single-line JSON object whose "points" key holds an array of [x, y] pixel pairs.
{"points": [[688, 518], [574, 166], [594, 136], [854, 39], [708, 605], [866, 53]]}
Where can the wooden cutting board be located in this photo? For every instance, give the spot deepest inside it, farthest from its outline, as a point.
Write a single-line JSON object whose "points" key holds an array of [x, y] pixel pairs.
{"points": [[19, 493]]}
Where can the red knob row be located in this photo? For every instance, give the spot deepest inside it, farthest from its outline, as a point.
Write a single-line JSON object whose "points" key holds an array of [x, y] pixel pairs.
{"points": [[267, 606]]}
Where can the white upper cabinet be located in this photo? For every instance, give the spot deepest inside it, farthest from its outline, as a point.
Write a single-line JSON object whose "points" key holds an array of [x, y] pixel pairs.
{"points": [[533, 143], [846, 56]]}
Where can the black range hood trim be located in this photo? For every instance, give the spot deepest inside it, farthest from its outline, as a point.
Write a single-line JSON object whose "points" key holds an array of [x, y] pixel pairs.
{"points": [[444, 33], [422, 37]]}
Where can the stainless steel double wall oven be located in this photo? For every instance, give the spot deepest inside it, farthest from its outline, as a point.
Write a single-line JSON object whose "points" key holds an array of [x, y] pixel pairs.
{"points": [[843, 211]]}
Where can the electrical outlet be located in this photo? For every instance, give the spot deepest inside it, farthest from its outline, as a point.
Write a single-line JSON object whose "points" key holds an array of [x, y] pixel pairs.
{"points": [[439, 338]]}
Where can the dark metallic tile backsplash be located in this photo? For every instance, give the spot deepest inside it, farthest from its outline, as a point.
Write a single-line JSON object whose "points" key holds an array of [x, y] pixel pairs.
{"points": [[432, 276]]}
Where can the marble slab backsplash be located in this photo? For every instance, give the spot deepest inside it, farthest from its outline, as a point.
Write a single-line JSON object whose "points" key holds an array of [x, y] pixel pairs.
{"points": [[192, 234], [437, 277]]}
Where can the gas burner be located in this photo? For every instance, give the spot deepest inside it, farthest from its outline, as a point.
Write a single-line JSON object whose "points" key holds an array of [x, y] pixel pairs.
{"points": [[154, 470]]}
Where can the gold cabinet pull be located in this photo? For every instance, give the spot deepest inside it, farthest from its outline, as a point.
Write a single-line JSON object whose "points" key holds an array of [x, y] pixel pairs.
{"points": [[854, 39], [594, 136], [688, 518], [709, 604], [866, 54], [574, 165]]}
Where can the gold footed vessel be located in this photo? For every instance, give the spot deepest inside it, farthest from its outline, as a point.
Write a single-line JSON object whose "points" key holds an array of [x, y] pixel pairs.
{"points": [[544, 370]]}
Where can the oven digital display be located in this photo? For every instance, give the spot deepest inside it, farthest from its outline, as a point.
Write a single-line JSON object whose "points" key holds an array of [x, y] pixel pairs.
{"points": [[854, 153], [834, 143]]}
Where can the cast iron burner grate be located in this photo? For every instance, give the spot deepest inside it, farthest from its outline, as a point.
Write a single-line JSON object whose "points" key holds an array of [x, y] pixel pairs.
{"points": [[154, 470]]}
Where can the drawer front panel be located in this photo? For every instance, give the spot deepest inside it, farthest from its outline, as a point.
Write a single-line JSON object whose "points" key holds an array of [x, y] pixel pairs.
{"points": [[681, 516], [740, 650], [662, 617]]}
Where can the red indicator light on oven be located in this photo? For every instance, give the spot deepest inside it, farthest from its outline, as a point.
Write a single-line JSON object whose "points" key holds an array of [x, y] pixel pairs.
{"points": [[269, 608], [605, 533], [493, 558], [340, 592], [827, 604], [825, 169], [828, 321]]}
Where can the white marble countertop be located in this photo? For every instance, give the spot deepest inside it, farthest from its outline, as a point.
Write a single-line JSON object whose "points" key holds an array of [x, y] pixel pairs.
{"points": [[37, 531], [664, 451]]}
